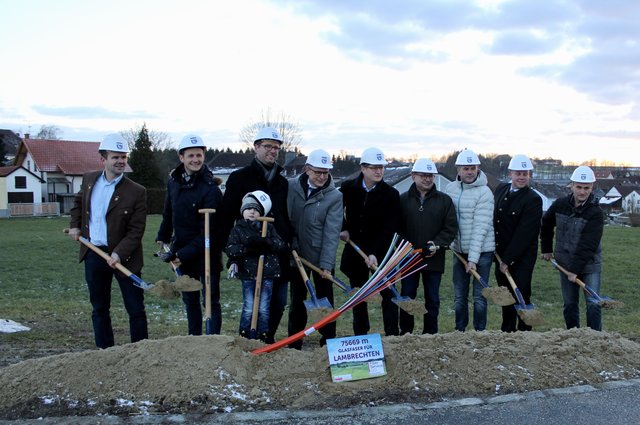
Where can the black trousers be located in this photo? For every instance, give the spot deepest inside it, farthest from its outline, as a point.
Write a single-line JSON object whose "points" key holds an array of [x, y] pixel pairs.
{"points": [[522, 277]]}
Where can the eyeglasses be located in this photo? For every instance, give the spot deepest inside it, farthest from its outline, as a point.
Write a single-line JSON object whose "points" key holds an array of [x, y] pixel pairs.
{"points": [[318, 173], [374, 167], [269, 147], [424, 175]]}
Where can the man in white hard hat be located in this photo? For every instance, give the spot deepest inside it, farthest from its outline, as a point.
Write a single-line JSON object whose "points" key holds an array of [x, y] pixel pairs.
{"points": [[191, 187], [315, 210], [263, 174], [111, 211], [475, 240], [578, 223], [371, 218], [428, 222], [516, 222]]}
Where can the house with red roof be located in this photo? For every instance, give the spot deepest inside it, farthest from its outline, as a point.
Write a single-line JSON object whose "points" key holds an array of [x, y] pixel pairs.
{"points": [[57, 164]]}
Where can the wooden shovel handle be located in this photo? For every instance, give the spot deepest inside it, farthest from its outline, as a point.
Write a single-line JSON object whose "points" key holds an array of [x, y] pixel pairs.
{"points": [[104, 255], [257, 292], [364, 256], [463, 261], [319, 271], [566, 272], [507, 274], [303, 272]]}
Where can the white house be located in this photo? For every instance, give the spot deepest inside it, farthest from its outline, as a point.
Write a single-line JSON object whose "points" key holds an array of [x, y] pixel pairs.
{"points": [[18, 186]]}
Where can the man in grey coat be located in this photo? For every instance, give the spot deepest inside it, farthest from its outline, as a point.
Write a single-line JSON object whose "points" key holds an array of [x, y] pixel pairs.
{"points": [[315, 211]]}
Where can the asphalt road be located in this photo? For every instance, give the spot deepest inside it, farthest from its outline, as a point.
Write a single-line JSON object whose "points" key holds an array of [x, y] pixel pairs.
{"points": [[613, 403]]}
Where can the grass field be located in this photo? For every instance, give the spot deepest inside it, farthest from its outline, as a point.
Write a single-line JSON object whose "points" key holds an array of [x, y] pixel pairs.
{"points": [[43, 287]]}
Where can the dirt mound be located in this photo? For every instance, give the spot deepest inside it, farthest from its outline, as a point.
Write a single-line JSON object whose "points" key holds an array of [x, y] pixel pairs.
{"points": [[218, 373]]}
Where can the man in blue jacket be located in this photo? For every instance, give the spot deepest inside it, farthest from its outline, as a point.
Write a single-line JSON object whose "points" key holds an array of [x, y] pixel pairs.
{"points": [[191, 187]]}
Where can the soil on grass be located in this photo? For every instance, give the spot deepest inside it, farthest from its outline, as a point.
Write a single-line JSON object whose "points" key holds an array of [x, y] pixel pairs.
{"points": [[210, 374]]}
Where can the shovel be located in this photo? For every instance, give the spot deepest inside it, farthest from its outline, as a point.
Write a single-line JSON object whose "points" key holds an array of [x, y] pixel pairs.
{"points": [[525, 311], [411, 306], [340, 284], [183, 282], [208, 322], [605, 302], [162, 288], [500, 295], [315, 306], [253, 334]]}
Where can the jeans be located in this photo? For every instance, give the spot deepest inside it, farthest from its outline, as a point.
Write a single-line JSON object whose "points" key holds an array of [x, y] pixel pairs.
{"points": [[461, 281], [571, 296], [248, 291], [99, 275], [298, 311], [431, 282]]}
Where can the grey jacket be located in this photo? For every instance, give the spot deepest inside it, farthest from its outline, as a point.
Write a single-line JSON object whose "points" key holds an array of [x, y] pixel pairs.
{"points": [[316, 221]]}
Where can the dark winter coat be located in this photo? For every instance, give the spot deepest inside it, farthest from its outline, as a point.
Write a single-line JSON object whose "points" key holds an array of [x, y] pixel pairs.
{"points": [[252, 178], [126, 219], [239, 253], [182, 224], [372, 218], [516, 223], [578, 232], [434, 219]]}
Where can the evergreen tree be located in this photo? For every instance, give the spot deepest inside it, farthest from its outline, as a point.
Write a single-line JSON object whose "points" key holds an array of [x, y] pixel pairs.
{"points": [[143, 162], [3, 151]]}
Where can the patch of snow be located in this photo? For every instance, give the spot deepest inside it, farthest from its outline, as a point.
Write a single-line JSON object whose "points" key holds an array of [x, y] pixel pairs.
{"points": [[9, 326]]}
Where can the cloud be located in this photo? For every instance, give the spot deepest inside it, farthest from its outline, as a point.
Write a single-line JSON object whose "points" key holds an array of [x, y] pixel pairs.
{"points": [[89, 112], [596, 44]]}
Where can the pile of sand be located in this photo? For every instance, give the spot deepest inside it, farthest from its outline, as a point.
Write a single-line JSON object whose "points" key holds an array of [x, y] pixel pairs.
{"points": [[218, 373]]}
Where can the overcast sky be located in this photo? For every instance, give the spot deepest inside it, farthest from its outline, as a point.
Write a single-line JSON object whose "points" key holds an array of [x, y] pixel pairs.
{"points": [[557, 78]]}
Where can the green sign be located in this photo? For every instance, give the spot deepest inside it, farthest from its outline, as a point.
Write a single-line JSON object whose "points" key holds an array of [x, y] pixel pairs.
{"points": [[356, 357]]}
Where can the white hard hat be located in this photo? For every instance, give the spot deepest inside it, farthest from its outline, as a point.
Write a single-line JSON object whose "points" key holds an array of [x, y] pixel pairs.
{"points": [[372, 156], [520, 162], [268, 133], [114, 142], [191, 141], [320, 158], [424, 165], [583, 174], [261, 197], [467, 157]]}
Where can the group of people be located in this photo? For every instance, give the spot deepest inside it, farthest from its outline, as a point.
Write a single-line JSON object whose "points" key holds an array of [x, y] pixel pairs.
{"points": [[263, 216]]}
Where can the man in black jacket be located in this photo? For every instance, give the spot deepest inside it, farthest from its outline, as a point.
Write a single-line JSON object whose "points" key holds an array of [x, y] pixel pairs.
{"points": [[191, 187], [428, 222], [372, 213], [578, 223], [516, 223], [263, 174]]}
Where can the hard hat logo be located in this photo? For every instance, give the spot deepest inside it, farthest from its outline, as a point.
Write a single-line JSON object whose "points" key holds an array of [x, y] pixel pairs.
{"points": [[194, 140], [119, 145], [469, 160], [324, 160]]}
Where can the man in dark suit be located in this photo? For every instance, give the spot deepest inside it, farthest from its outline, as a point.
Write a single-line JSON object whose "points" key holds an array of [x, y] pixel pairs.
{"points": [[516, 223], [263, 174], [371, 217], [110, 210]]}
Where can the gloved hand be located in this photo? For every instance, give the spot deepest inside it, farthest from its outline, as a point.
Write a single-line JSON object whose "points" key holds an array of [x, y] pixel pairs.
{"points": [[429, 249], [167, 257], [259, 245]]}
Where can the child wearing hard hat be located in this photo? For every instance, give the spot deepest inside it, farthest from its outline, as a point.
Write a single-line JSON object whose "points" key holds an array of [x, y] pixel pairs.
{"points": [[244, 248]]}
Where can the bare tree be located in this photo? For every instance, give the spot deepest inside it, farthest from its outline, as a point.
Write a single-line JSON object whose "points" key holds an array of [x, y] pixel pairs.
{"points": [[286, 125], [49, 132], [159, 140]]}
